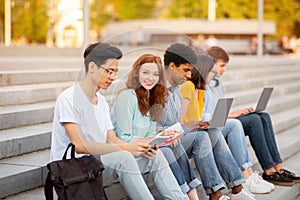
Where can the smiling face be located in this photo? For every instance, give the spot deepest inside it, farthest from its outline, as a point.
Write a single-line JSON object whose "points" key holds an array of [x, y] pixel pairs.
{"points": [[148, 75]]}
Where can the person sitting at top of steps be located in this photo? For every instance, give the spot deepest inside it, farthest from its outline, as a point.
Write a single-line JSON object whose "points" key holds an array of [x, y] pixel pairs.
{"points": [[258, 126]]}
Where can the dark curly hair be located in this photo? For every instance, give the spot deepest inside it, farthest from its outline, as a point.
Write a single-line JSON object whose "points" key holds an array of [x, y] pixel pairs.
{"points": [[179, 54]]}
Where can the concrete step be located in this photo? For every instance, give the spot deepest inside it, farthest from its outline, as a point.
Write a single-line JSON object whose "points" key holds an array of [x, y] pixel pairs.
{"points": [[22, 173], [244, 97], [29, 94], [17, 141], [284, 120], [276, 104], [23, 115], [260, 82], [237, 74], [37, 76], [291, 162], [240, 62]]}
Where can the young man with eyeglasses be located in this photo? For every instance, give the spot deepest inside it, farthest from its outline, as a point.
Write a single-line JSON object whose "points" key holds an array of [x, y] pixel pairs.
{"points": [[82, 117]]}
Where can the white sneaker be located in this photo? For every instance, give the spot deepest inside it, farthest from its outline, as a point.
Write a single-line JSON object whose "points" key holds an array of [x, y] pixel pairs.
{"points": [[242, 195], [257, 176], [256, 185], [224, 197], [245, 188]]}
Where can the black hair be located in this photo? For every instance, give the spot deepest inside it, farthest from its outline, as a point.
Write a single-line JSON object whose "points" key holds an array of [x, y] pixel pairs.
{"points": [[179, 54], [99, 53]]}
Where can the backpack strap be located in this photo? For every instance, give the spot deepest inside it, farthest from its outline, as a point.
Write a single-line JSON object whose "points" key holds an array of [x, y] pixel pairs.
{"points": [[48, 188], [72, 151]]}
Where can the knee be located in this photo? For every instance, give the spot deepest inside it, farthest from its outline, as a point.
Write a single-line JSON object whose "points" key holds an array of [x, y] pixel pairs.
{"points": [[121, 160], [235, 123], [254, 118], [160, 159], [168, 153], [235, 127], [125, 158], [265, 116]]}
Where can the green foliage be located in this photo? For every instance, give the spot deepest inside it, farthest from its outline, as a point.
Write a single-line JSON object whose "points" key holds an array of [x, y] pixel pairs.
{"points": [[188, 9], [135, 9], [104, 11], [29, 20], [286, 13]]}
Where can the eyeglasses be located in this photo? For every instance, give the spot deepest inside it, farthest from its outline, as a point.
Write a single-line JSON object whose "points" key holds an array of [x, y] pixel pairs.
{"points": [[110, 72]]}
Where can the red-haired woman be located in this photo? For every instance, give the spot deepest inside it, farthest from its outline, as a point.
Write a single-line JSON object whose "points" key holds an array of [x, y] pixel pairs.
{"points": [[136, 110]]}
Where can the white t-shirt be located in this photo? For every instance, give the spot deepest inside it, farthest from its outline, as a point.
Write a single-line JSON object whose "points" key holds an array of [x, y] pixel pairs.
{"points": [[72, 105]]}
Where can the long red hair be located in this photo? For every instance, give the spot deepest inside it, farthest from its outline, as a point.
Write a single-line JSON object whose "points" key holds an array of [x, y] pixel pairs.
{"points": [[155, 104]]}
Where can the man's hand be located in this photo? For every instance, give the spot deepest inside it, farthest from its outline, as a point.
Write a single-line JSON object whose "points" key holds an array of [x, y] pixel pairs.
{"points": [[151, 153], [240, 112], [138, 147], [192, 125], [203, 124]]}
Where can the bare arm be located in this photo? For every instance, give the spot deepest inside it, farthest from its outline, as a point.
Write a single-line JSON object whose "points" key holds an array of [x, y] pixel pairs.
{"points": [[114, 144]]}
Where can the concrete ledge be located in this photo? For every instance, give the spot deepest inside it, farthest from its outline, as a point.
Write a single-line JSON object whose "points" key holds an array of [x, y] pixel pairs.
{"points": [[18, 141], [10, 78], [29, 94], [16, 116]]}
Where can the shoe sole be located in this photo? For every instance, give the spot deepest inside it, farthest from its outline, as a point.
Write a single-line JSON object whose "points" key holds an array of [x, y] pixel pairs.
{"points": [[297, 181], [282, 183], [256, 192]]}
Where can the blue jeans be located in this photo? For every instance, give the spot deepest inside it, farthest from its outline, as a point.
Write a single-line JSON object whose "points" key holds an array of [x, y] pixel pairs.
{"points": [[181, 167], [234, 135], [213, 159], [124, 166], [259, 128]]}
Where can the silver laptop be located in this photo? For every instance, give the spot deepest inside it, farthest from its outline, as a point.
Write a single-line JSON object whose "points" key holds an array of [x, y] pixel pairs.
{"points": [[220, 114], [263, 99]]}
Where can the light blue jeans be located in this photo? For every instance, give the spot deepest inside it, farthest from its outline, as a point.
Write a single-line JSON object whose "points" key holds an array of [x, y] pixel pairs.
{"points": [[213, 159], [234, 135], [124, 166], [181, 167]]}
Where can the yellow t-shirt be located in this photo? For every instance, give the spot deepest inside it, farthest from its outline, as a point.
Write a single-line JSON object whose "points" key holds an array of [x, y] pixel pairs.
{"points": [[196, 105]]}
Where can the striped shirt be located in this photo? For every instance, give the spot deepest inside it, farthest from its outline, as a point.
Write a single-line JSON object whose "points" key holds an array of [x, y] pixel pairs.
{"points": [[171, 115]]}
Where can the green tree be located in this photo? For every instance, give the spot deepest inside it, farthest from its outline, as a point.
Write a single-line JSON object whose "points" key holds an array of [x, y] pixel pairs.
{"points": [[30, 20], [104, 11], [188, 9], [286, 13]]}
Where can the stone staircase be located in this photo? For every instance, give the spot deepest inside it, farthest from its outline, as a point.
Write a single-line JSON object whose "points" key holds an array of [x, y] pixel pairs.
{"points": [[28, 93]]}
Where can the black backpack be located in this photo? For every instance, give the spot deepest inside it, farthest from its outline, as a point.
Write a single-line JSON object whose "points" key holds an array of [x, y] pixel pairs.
{"points": [[75, 178]]}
